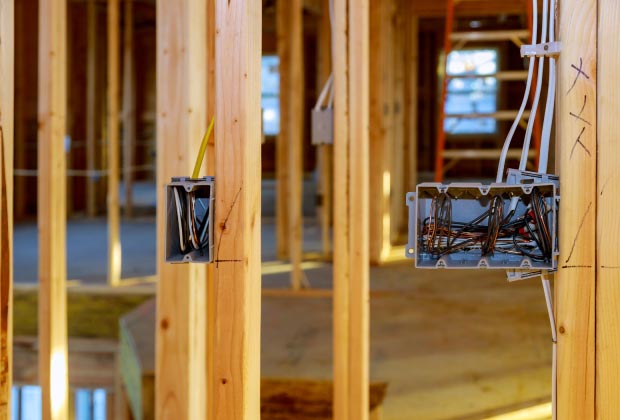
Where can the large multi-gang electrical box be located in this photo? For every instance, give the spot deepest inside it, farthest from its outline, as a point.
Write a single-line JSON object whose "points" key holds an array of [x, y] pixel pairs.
{"points": [[189, 220], [506, 226]]}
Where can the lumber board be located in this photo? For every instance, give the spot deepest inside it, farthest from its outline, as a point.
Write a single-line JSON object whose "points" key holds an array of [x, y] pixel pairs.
{"points": [[237, 271], [350, 56], [607, 224], [91, 104], [129, 107], [52, 110], [325, 153], [290, 50], [283, 137], [437, 8], [7, 79], [575, 281], [411, 97], [381, 127], [397, 207], [181, 289], [114, 239]]}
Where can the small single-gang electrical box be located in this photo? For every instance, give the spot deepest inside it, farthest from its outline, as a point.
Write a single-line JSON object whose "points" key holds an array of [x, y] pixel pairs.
{"points": [[189, 220], [322, 126], [470, 225]]}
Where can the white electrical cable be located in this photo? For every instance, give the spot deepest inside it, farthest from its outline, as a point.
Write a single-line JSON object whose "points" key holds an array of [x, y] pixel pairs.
{"points": [[550, 108], [526, 95], [541, 67]]}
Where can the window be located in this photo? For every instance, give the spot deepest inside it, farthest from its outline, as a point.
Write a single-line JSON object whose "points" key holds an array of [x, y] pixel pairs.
{"points": [[469, 94], [90, 404], [270, 95]]}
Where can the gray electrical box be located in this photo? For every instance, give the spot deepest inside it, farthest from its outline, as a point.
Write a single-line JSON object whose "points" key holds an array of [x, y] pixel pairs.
{"points": [[449, 225], [323, 126], [189, 220]]}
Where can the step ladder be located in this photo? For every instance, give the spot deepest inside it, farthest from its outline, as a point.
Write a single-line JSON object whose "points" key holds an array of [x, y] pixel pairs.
{"points": [[446, 159]]}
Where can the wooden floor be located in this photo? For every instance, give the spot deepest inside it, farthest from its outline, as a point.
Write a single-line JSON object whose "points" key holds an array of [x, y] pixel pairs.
{"points": [[451, 344]]}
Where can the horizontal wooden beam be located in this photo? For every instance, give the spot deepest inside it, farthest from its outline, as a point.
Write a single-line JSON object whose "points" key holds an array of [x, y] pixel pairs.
{"points": [[437, 8]]}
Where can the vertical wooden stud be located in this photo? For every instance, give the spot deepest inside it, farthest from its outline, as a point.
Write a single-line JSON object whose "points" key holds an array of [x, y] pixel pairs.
{"points": [[129, 108], [91, 105], [180, 389], [7, 42], [608, 228], [575, 282], [351, 197], [53, 367], [290, 47], [237, 209], [283, 137], [411, 97], [114, 240], [325, 152], [397, 196], [381, 141]]}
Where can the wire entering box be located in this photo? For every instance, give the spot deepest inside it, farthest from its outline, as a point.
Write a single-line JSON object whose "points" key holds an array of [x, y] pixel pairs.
{"points": [[189, 220], [470, 225]]}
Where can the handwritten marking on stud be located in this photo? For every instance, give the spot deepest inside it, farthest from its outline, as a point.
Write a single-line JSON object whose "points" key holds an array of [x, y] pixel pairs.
{"points": [[605, 185], [579, 142], [583, 220], [223, 226], [580, 73], [576, 266]]}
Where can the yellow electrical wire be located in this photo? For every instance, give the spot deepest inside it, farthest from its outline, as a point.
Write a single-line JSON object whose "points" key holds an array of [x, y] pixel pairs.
{"points": [[203, 149]]}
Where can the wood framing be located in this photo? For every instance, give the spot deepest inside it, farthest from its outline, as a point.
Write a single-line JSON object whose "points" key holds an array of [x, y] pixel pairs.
{"points": [[381, 128], [181, 289], [608, 229], [325, 156], [411, 96], [237, 271], [351, 191], [7, 76], [397, 194], [290, 50], [282, 139], [91, 105], [53, 363], [114, 213], [129, 108], [575, 281]]}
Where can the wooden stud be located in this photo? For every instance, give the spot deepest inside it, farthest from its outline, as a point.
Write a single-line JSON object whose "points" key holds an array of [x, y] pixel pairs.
{"points": [[608, 260], [129, 108], [91, 105], [237, 210], [7, 74], [114, 240], [575, 282], [397, 195], [325, 152], [283, 137], [351, 195], [290, 49], [52, 184], [411, 98], [180, 390], [381, 118]]}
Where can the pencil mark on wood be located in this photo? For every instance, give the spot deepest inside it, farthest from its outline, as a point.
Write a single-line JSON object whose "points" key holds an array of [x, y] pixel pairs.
{"points": [[583, 220], [610, 267], [580, 73], [576, 266], [578, 117], [585, 101], [223, 227], [605, 185], [579, 142]]}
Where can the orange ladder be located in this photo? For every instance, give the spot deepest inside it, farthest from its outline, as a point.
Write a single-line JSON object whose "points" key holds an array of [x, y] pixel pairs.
{"points": [[446, 159]]}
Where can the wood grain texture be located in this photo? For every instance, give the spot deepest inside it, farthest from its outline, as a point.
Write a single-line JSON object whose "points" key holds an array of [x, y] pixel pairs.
{"points": [[325, 155], [237, 271], [7, 78], [351, 191], [181, 290], [113, 143], [91, 104], [129, 107], [342, 228], [52, 108], [411, 97], [608, 224], [290, 49], [359, 308], [575, 282], [381, 127]]}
